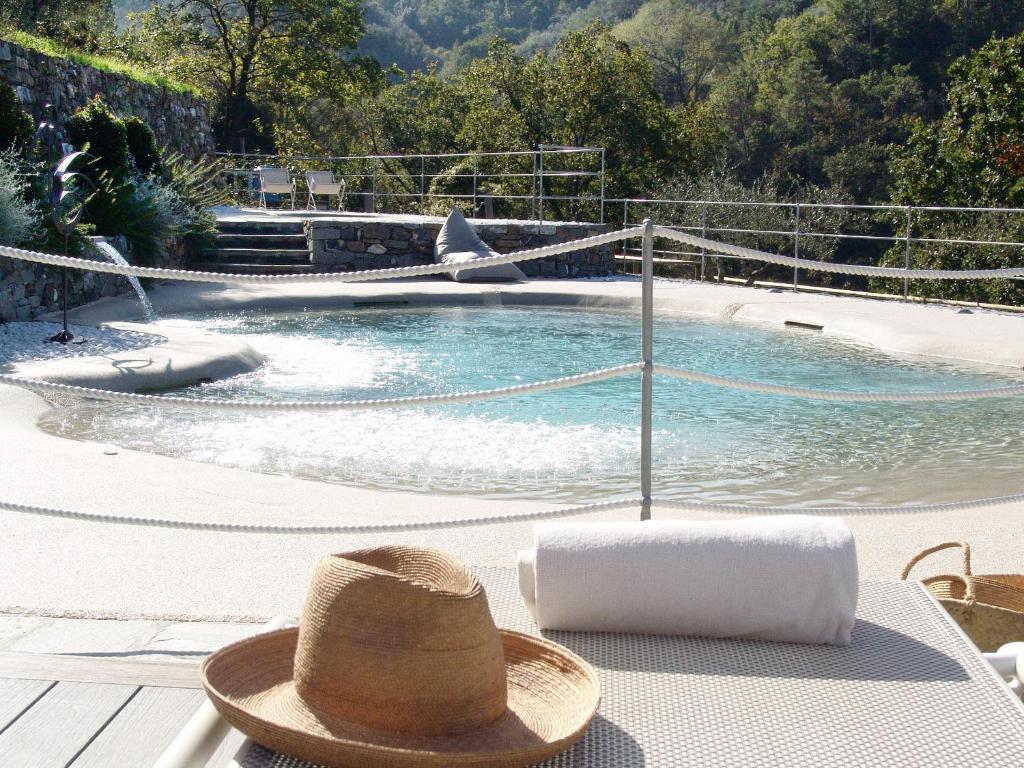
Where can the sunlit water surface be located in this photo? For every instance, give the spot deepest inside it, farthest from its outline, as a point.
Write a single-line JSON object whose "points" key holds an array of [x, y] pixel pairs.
{"points": [[583, 443]]}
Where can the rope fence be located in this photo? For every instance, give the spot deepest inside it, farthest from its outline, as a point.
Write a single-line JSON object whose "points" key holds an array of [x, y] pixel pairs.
{"points": [[646, 367], [507, 518]]}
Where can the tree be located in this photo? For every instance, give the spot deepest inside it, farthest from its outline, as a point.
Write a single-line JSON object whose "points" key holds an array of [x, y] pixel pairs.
{"points": [[973, 156], [280, 53], [686, 46], [78, 24]]}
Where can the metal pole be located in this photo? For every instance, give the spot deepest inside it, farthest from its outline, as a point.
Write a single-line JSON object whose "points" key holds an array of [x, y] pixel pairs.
{"points": [[704, 234], [533, 213], [625, 223], [423, 183], [602, 185], [906, 255], [796, 249], [647, 376], [474, 184], [373, 193], [540, 204]]}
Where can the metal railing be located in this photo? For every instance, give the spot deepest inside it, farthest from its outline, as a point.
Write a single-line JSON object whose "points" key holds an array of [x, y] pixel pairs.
{"points": [[529, 185], [861, 233]]}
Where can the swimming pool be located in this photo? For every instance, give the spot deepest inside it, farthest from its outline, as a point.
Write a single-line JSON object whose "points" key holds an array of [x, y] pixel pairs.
{"points": [[583, 443]]}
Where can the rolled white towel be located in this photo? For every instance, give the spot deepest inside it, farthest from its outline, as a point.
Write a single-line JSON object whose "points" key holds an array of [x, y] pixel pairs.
{"points": [[790, 578]]}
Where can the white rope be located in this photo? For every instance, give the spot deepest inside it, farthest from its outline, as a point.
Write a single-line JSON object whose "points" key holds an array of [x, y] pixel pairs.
{"points": [[412, 525], [738, 251], [913, 509], [716, 247], [837, 396], [566, 382], [514, 517], [325, 277], [36, 385]]}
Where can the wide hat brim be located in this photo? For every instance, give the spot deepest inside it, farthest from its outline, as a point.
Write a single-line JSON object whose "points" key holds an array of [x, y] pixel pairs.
{"points": [[552, 697]]}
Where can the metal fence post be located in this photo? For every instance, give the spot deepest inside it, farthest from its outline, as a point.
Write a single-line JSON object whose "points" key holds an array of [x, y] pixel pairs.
{"points": [[625, 223], [533, 213], [602, 185], [540, 177], [703, 234], [906, 255], [373, 192], [474, 183], [647, 376], [796, 250], [423, 183]]}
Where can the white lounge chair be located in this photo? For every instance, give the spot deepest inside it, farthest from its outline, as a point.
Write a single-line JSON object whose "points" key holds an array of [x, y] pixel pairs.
{"points": [[910, 689], [275, 181], [324, 183]]}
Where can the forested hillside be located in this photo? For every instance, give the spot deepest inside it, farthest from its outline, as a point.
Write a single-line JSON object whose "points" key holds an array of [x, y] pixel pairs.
{"points": [[866, 101]]}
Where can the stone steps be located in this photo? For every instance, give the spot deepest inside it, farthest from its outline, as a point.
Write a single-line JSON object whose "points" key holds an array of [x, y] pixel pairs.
{"points": [[258, 247], [260, 255], [236, 268], [250, 240]]}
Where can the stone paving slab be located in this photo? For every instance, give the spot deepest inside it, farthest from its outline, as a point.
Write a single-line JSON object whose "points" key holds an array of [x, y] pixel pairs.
{"points": [[125, 639]]}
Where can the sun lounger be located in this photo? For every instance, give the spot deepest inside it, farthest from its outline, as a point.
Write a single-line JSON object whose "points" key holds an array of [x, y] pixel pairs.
{"points": [[324, 183], [275, 181], [909, 690]]}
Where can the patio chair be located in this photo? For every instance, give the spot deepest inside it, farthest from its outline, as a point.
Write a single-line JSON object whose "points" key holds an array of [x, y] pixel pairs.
{"points": [[324, 183], [275, 181]]}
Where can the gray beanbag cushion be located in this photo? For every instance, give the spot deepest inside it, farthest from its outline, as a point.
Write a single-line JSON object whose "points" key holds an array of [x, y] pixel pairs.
{"points": [[458, 243]]}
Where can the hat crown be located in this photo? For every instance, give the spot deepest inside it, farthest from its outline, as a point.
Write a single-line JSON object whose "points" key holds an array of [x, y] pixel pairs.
{"points": [[400, 638]]}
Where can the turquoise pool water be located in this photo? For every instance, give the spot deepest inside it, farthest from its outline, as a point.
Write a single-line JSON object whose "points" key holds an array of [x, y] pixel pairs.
{"points": [[578, 444]]}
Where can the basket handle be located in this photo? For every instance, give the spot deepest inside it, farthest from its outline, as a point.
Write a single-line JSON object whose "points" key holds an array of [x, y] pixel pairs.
{"points": [[966, 579], [938, 548]]}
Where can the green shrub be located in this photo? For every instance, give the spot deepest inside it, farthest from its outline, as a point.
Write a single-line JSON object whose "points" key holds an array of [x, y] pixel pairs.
{"points": [[19, 218], [106, 136], [16, 129], [142, 146]]}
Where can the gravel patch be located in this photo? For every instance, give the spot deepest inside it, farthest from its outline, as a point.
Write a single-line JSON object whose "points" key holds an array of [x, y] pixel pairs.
{"points": [[22, 342]]}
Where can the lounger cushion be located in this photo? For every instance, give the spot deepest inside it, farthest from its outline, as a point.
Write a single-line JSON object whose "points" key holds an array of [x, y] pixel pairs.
{"points": [[458, 243]]}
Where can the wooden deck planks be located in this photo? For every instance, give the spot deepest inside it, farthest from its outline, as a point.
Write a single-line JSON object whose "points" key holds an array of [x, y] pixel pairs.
{"points": [[57, 727], [17, 696], [90, 669], [142, 730]]}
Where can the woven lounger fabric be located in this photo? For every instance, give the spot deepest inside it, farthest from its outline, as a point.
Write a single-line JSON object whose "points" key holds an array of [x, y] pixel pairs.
{"points": [[786, 577], [458, 243], [908, 691]]}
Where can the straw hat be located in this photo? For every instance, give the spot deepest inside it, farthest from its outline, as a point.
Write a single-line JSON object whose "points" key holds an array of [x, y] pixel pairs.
{"points": [[397, 662]]}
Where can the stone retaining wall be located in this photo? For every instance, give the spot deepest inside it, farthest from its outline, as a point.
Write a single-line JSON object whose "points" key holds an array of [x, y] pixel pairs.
{"points": [[342, 246], [179, 120], [28, 290]]}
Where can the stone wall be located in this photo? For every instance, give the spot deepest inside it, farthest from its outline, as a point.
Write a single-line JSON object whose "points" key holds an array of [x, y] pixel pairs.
{"points": [[28, 290], [341, 246], [180, 120]]}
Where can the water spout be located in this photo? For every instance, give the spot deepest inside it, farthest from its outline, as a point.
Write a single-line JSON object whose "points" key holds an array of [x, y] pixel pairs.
{"points": [[112, 255]]}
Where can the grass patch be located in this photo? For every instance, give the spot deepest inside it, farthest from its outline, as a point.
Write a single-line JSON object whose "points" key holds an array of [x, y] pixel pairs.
{"points": [[54, 49]]}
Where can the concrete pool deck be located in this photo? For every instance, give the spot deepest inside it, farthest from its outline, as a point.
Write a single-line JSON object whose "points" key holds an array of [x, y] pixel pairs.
{"points": [[88, 570]]}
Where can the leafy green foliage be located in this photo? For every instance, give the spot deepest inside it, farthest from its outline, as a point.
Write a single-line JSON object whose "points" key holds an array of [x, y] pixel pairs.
{"points": [[19, 217], [80, 24], [972, 157], [104, 63], [95, 128], [16, 131], [284, 54], [142, 146]]}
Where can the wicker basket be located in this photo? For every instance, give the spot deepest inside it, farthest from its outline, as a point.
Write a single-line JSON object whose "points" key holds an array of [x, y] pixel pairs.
{"points": [[988, 607]]}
